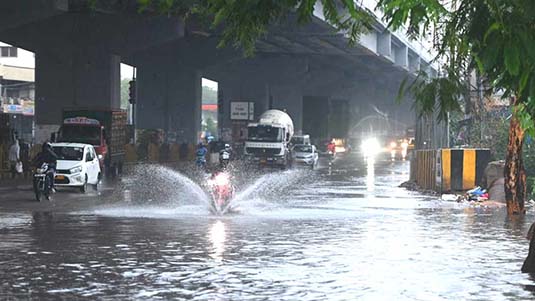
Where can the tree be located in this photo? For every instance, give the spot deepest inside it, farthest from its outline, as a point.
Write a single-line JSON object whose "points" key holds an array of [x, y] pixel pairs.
{"points": [[496, 37]]}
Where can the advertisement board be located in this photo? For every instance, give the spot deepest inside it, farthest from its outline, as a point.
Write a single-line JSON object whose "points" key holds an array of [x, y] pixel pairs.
{"points": [[239, 110]]}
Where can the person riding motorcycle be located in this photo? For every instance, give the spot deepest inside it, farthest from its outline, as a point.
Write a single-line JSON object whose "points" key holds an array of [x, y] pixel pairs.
{"points": [[47, 155], [225, 155], [331, 148], [221, 188], [201, 155]]}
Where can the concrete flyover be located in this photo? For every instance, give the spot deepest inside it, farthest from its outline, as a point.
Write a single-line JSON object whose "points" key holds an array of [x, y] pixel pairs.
{"points": [[298, 68]]}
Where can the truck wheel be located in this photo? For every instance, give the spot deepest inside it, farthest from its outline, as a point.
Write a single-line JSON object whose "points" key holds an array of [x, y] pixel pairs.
{"points": [[83, 188]]}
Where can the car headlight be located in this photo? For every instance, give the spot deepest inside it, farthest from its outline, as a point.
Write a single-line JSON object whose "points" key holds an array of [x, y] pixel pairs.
{"points": [[76, 169]]}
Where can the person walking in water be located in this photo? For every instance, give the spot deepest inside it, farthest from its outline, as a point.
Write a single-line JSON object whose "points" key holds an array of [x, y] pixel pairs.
{"points": [[14, 158]]}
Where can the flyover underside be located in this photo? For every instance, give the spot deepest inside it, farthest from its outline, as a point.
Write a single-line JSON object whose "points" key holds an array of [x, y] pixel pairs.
{"points": [[78, 56]]}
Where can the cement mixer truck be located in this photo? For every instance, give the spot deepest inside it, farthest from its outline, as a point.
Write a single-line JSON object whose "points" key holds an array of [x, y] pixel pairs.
{"points": [[268, 139]]}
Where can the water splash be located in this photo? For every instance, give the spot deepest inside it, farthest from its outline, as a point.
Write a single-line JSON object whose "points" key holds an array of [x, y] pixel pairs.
{"points": [[162, 185], [269, 191]]}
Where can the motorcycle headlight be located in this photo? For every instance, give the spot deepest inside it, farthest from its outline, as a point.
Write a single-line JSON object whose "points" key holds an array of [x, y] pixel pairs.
{"points": [[40, 170], [76, 169]]}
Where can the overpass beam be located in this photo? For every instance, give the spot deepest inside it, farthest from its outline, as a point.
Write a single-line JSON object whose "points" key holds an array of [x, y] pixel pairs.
{"points": [[384, 44], [402, 56], [84, 77], [414, 63]]}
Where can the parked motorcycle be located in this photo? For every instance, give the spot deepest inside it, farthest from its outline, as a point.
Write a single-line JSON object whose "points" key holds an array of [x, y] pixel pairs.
{"points": [[222, 192], [41, 182]]}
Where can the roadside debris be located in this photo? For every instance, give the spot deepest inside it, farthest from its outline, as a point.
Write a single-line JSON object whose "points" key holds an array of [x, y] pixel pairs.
{"points": [[476, 197]]}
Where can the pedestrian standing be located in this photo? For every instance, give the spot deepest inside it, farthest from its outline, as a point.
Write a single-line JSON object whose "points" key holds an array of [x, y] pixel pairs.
{"points": [[25, 157], [14, 157]]}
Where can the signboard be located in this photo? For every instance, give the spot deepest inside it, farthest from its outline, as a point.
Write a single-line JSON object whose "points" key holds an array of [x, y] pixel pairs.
{"points": [[241, 110], [26, 108], [81, 120], [12, 109]]}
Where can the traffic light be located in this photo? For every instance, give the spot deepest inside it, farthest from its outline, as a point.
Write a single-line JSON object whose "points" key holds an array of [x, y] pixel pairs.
{"points": [[132, 91]]}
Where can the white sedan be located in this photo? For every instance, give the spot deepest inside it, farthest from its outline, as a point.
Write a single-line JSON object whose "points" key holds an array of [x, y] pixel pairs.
{"points": [[77, 165], [305, 154]]}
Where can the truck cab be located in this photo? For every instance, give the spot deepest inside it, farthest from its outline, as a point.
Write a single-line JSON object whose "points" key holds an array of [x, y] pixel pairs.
{"points": [[85, 130], [268, 139], [105, 129]]}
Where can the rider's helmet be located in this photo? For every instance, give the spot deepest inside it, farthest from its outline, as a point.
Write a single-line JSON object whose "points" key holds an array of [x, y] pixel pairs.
{"points": [[227, 146]]}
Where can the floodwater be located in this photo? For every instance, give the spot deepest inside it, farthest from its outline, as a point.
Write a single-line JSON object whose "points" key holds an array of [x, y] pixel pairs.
{"points": [[345, 233]]}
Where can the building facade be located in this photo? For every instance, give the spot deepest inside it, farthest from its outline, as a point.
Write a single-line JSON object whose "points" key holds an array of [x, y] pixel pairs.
{"points": [[17, 93]]}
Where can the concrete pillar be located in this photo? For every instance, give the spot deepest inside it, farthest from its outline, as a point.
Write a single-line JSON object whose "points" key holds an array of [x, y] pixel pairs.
{"points": [[169, 98], [384, 44], [84, 78]]}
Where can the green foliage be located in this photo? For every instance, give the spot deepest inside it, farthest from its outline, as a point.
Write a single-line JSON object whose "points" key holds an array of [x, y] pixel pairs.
{"points": [[443, 93], [124, 93], [209, 95], [495, 36], [210, 126], [530, 184]]}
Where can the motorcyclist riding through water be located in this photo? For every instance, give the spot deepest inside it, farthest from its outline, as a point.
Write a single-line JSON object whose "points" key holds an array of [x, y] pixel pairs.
{"points": [[222, 191], [48, 156], [201, 155], [224, 155], [331, 150]]}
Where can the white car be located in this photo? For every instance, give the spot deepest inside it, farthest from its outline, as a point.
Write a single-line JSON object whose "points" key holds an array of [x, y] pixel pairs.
{"points": [[305, 154], [77, 165]]}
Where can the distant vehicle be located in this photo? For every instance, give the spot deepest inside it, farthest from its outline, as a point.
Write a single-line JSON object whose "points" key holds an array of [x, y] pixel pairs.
{"points": [[77, 166], [300, 139], [268, 139], [104, 129], [400, 147], [305, 154], [341, 145]]}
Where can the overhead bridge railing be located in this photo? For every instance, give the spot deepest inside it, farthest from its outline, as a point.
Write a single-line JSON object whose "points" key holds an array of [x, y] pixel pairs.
{"points": [[446, 170]]}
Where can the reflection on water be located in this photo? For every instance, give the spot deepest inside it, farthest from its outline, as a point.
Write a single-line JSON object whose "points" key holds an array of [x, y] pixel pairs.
{"points": [[217, 238], [370, 174], [328, 239]]}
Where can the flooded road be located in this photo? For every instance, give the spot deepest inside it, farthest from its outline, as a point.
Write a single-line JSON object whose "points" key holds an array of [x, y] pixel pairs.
{"points": [[344, 233]]}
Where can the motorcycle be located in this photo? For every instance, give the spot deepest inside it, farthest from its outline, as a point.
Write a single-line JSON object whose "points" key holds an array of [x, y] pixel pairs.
{"points": [[222, 192], [224, 158], [331, 155], [41, 185]]}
